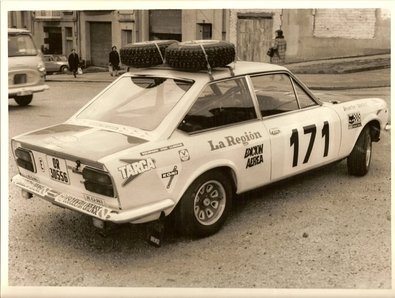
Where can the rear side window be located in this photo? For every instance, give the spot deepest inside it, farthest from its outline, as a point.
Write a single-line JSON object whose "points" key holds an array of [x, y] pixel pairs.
{"points": [[219, 104], [21, 45]]}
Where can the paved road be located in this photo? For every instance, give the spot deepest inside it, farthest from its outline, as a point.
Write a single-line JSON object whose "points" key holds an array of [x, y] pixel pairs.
{"points": [[323, 229]]}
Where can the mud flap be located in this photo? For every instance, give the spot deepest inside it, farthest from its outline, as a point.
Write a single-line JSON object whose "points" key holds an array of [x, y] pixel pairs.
{"points": [[156, 231]]}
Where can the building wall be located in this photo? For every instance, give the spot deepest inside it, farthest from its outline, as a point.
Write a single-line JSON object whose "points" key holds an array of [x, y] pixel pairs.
{"points": [[192, 18], [310, 33], [323, 33], [119, 20], [326, 33]]}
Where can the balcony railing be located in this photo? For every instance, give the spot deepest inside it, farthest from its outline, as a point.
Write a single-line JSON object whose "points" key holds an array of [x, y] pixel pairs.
{"points": [[48, 15]]}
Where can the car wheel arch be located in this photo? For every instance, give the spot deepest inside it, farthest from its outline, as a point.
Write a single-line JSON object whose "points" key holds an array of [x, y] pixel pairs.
{"points": [[374, 129], [228, 169]]}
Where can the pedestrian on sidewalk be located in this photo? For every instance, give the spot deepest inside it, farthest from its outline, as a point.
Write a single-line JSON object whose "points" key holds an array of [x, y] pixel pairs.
{"points": [[74, 62], [279, 47], [114, 60]]}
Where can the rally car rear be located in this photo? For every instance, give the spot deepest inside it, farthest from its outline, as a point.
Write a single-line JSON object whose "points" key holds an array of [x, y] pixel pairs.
{"points": [[52, 167]]}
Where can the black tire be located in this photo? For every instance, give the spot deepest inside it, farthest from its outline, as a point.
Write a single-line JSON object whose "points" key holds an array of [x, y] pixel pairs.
{"points": [[358, 162], [24, 100], [190, 55], [205, 205], [64, 69], [144, 54]]}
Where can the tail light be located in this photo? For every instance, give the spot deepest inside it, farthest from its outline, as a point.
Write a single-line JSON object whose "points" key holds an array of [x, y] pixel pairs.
{"points": [[98, 181], [24, 159]]}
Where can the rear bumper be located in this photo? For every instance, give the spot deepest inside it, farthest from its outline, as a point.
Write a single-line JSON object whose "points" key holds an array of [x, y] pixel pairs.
{"points": [[81, 205], [21, 91]]}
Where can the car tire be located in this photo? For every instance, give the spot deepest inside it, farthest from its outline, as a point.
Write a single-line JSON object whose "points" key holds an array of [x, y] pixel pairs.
{"points": [[205, 205], [64, 69], [358, 162], [24, 100], [190, 56], [144, 54]]}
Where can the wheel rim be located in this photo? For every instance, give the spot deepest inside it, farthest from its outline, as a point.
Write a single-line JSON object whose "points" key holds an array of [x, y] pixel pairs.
{"points": [[209, 203]]}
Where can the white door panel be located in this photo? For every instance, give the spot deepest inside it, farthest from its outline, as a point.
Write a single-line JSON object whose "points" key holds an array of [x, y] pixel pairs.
{"points": [[303, 140], [246, 146]]}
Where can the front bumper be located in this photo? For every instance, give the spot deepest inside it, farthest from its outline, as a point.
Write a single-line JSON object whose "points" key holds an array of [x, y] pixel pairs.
{"points": [[79, 204], [21, 91]]}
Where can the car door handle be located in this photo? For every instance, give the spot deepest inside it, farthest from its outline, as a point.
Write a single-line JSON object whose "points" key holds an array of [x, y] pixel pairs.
{"points": [[274, 131]]}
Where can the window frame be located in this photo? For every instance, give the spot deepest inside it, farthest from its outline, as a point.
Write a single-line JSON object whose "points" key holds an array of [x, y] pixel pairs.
{"points": [[293, 80], [207, 85]]}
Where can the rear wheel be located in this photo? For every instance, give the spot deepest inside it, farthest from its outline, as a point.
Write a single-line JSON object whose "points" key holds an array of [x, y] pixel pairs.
{"points": [[24, 100], [64, 69], [358, 162], [205, 206]]}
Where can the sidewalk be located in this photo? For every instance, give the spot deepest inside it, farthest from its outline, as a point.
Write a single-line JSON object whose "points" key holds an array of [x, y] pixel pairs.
{"points": [[332, 74]]}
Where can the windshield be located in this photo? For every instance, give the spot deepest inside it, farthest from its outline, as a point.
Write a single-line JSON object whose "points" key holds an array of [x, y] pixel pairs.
{"points": [[21, 45], [141, 102]]}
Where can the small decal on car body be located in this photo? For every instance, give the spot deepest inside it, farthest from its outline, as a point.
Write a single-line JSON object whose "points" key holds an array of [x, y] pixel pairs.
{"points": [[254, 156], [161, 149], [134, 168], [354, 120], [184, 155], [171, 174], [232, 140]]}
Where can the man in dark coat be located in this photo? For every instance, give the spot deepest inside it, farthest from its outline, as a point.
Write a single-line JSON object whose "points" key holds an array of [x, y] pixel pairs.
{"points": [[74, 62], [114, 60]]}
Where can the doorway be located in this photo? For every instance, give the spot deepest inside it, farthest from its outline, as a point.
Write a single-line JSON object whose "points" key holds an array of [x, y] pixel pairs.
{"points": [[254, 36]]}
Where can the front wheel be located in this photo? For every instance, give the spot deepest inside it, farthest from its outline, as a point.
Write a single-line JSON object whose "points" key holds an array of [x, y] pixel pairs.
{"points": [[24, 100], [358, 162], [205, 205]]}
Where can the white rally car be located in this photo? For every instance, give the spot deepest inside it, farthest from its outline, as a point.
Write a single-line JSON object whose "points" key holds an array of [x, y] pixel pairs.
{"points": [[159, 142]]}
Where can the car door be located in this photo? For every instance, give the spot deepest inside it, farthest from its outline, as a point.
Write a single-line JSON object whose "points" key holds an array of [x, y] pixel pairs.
{"points": [[224, 129], [303, 133]]}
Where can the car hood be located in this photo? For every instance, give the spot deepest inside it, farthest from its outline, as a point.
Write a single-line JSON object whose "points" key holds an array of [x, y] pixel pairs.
{"points": [[79, 141]]}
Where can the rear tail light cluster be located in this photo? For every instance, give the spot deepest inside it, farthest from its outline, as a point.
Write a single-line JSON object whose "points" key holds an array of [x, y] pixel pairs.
{"points": [[24, 159], [98, 181]]}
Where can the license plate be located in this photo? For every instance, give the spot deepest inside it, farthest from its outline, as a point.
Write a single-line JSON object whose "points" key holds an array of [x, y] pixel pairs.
{"points": [[83, 206], [58, 169]]}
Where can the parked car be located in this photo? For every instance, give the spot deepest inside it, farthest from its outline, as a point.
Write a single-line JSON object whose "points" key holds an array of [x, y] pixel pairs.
{"points": [[26, 69], [182, 143], [56, 63]]}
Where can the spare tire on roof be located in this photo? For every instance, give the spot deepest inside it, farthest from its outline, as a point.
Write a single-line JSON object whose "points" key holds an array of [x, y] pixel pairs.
{"points": [[145, 54], [191, 55]]}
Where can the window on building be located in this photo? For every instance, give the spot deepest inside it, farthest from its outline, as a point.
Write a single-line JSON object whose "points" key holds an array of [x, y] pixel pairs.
{"points": [[126, 37], [69, 31], [12, 19], [204, 31], [165, 24]]}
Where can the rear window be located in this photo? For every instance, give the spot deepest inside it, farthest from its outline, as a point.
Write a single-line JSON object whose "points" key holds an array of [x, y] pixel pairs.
{"points": [[21, 45], [141, 102]]}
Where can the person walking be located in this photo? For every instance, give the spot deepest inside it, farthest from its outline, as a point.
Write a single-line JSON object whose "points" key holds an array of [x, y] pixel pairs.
{"points": [[74, 62], [114, 61], [279, 47]]}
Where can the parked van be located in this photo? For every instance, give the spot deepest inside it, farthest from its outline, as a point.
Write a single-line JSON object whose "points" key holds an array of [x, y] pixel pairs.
{"points": [[26, 70]]}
